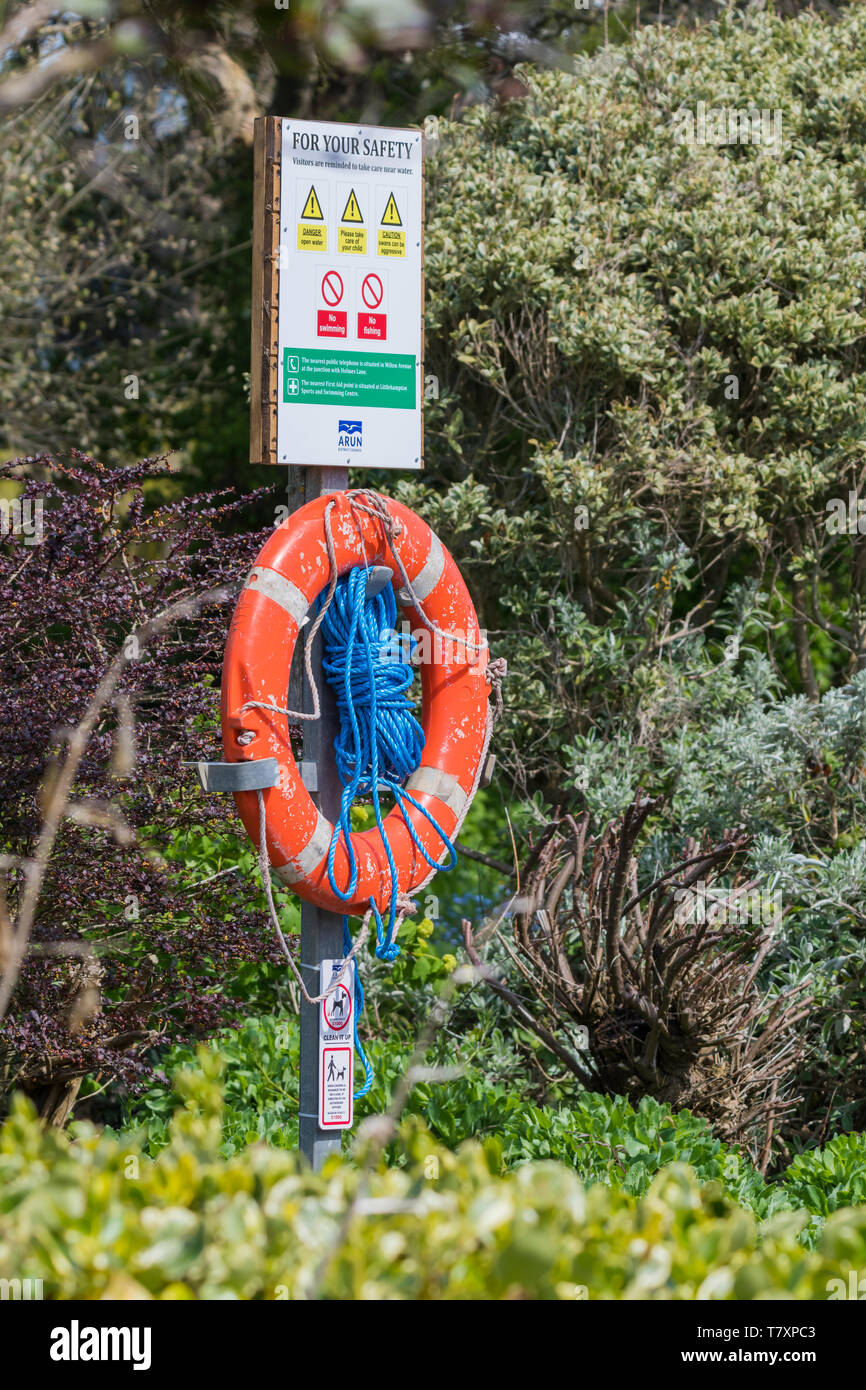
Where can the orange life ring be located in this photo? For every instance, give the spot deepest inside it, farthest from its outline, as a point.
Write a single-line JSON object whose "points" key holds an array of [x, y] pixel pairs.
{"points": [[290, 572]]}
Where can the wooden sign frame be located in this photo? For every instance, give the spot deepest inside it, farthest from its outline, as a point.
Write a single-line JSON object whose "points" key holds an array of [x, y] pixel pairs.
{"points": [[267, 150], [266, 238]]}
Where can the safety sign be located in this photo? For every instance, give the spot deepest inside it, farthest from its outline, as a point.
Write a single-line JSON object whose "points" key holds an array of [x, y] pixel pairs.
{"points": [[312, 233], [392, 237], [332, 287], [372, 326], [331, 322], [312, 207], [351, 212], [372, 290], [349, 320], [336, 1046], [352, 233]]}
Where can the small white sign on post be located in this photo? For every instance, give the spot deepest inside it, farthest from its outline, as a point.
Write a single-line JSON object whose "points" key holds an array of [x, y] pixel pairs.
{"points": [[350, 336], [336, 1046]]}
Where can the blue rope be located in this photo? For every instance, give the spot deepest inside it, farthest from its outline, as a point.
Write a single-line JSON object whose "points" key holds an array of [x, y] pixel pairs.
{"points": [[379, 743]]}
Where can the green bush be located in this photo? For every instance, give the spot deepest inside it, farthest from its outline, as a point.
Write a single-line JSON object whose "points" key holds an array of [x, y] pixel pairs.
{"points": [[826, 1179], [652, 383], [92, 1216], [651, 365], [603, 1139]]}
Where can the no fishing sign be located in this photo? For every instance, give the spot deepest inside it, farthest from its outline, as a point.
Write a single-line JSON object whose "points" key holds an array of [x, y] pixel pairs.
{"points": [[337, 369], [336, 1046]]}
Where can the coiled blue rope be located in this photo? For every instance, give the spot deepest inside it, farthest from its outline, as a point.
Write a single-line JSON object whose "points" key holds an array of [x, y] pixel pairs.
{"points": [[379, 743]]}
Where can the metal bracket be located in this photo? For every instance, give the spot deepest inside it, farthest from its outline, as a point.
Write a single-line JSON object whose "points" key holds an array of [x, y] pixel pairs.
{"points": [[487, 775], [251, 776], [309, 775], [377, 579]]}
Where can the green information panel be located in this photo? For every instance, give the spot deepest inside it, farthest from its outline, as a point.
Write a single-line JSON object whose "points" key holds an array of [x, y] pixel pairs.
{"points": [[323, 377]]}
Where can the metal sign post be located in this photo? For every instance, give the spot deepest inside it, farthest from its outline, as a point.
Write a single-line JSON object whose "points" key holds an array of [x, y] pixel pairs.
{"points": [[336, 378], [321, 931]]}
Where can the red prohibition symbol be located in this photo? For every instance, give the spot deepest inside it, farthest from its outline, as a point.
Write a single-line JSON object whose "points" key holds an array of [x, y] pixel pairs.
{"points": [[332, 287], [372, 291], [338, 1009]]}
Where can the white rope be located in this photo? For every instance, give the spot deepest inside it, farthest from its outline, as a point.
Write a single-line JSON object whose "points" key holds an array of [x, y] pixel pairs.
{"points": [[308, 645], [496, 671], [376, 506], [265, 871]]}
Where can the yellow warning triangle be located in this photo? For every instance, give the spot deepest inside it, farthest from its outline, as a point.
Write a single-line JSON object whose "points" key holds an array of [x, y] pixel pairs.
{"points": [[391, 217], [312, 207], [351, 212]]}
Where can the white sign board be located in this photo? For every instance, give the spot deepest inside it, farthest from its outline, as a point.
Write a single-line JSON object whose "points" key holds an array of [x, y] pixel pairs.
{"points": [[349, 377], [336, 1046]]}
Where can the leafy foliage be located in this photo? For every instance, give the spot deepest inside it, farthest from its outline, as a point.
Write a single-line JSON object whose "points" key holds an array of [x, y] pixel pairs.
{"points": [[126, 951], [125, 212], [191, 1224], [351, 60], [594, 283], [604, 1139], [651, 373], [648, 545], [826, 1179]]}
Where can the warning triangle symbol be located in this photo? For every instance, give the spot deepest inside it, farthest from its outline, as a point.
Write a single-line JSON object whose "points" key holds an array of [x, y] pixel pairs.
{"points": [[351, 212], [312, 207], [391, 217]]}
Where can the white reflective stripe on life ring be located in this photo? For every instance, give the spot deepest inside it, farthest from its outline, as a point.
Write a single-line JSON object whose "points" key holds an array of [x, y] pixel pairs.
{"points": [[431, 572], [310, 857], [280, 590], [443, 785]]}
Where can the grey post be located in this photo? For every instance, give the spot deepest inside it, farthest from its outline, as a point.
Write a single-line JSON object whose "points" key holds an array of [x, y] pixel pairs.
{"points": [[321, 931]]}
